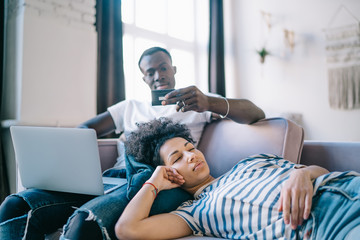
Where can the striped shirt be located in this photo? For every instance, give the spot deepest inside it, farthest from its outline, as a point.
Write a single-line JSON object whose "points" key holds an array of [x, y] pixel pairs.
{"points": [[244, 202]]}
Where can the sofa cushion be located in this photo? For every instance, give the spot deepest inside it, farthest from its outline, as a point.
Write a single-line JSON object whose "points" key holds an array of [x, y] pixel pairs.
{"points": [[225, 142]]}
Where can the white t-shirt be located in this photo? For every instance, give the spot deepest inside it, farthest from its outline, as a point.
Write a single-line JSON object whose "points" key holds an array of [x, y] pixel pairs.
{"points": [[129, 112]]}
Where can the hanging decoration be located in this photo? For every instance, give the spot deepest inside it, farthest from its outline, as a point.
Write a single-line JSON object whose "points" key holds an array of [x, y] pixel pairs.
{"points": [[289, 39], [343, 62], [263, 52], [272, 34]]}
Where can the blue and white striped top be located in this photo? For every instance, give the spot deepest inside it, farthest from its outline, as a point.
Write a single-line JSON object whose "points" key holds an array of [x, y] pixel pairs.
{"points": [[243, 203]]}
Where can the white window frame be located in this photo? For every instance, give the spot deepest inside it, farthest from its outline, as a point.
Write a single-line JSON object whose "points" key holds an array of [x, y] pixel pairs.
{"points": [[135, 89]]}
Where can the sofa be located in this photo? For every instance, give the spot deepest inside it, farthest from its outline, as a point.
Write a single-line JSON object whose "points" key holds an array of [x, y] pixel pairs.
{"points": [[230, 142]]}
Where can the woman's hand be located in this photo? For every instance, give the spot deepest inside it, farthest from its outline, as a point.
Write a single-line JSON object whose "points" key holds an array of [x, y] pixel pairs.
{"points": [[135, 223], [166, 178], [296, 197]]}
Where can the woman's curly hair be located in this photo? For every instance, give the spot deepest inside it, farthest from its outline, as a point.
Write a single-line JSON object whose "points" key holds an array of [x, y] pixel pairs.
{"points": [[144, 143]]}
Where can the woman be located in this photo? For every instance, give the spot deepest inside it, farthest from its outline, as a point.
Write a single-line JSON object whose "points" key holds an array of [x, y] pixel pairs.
{"points": [[262, 197]]}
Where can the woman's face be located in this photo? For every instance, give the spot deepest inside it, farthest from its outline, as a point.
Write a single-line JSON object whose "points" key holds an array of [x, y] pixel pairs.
{"points": [[189, 162]]}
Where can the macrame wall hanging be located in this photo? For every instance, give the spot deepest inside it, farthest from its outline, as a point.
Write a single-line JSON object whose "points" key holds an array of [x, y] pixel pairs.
{"points": [[343, 61]]}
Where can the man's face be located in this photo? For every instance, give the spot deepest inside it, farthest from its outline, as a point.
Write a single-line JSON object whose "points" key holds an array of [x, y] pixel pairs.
{"points": [[158, 71], [189, 162]]}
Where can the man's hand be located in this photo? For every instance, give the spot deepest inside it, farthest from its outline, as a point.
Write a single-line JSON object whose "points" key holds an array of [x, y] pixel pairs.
{"points": [[296, 197], [166, 178], [192, 99], [187, 99]]}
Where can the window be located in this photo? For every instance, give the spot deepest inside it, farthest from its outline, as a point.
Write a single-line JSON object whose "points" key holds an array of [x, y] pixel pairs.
{"points": [[180, 26]]}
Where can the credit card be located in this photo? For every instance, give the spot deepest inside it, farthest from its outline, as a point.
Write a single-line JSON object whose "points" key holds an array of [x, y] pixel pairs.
{"points": [[159, 95]]}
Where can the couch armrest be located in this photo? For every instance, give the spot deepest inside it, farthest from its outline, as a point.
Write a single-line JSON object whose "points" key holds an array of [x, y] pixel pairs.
{"points": [[108, 152], [334, 156]]}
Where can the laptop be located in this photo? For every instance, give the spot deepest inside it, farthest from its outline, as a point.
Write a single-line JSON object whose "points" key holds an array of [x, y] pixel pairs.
{"points": [[60, 159]]}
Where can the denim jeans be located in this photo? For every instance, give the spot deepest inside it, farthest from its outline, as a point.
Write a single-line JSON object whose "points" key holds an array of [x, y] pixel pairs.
{"points": [[51, 210], [48, 212], [105, 210], [335, 212]]}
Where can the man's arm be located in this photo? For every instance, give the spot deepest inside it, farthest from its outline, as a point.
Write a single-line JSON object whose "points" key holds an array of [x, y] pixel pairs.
{"points": [[102, 123], [135, 223], [239, 110], [296, 194]]}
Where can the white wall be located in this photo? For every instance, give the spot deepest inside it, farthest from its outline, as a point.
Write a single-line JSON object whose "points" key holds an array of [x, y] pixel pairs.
{"points": [[51, 54], [291, 82], [59, 63]]}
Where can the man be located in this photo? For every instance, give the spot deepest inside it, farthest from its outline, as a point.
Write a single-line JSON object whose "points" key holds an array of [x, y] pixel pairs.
{"points": [[159, 73], [37, 212], [193, 108], [262, 197]]}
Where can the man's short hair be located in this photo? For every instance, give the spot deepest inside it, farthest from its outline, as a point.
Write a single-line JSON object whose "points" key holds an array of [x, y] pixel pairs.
{"points": [[144, 144], [153, 50]]}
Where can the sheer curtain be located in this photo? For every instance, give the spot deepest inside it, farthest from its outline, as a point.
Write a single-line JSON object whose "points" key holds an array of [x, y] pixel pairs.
{"points": [[110, 70], [216, 48]]}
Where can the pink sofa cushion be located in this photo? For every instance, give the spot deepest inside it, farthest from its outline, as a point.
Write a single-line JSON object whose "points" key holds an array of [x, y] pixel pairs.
{"points": [[226, 142]]}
